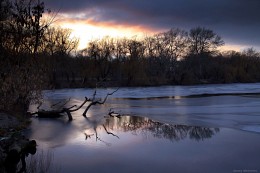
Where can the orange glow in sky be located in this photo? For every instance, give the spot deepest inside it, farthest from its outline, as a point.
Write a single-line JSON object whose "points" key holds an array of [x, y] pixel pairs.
{"points": [[87, 30], [233, 47]]}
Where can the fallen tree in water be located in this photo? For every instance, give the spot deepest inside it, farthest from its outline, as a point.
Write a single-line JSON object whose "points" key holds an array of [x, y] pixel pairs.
{"points": [[93, 101], [55, 113]]}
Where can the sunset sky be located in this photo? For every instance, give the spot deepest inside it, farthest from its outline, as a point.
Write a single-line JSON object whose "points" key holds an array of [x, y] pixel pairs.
{"points": [[237, 21]]}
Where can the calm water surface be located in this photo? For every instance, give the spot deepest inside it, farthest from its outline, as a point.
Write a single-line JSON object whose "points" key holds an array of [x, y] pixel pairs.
{"points": [[205, 128]]}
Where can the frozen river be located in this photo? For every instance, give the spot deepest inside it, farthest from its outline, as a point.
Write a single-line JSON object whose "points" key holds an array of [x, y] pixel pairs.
{"points": [[203, 128]]}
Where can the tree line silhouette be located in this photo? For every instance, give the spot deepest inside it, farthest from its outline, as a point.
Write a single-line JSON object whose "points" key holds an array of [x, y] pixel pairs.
{"points": [[34, 55]]}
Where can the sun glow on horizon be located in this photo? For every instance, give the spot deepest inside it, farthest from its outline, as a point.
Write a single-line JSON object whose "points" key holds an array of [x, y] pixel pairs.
{"points": [[87, 31], [236, 47]]}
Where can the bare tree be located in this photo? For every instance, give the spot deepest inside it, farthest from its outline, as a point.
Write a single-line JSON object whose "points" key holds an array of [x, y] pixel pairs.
{"points": [[58, 41], [251, 52], [120, 49], [25, 26], [135, 49], [203, 41], [175, 43]]}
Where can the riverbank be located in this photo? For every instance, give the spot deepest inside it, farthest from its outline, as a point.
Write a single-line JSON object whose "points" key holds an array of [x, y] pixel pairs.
{"points": [[11, 134]]}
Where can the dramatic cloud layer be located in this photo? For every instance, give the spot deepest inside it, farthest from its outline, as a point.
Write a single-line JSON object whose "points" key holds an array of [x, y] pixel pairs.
{"points": [[237, 21]]}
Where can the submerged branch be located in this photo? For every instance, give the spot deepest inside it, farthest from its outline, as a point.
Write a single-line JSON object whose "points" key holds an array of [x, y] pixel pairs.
{"points": [[113, 113], [63, 104], [85, 101], [58, 112], [97, 102]]}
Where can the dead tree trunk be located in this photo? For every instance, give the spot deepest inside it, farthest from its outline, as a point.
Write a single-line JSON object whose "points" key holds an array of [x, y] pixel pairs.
{"points": [[58, 112], [93, 102]]}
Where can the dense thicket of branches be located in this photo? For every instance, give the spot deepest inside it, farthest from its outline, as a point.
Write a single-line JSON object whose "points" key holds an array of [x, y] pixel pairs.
{"points": [[227, 67], [173, 57], [26, 44], [21, 33], [34, 55]]}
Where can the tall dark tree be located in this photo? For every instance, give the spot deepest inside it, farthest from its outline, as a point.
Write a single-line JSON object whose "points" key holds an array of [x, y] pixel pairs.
{"points": [[203, 41], [5, 13], [22, 30], [27, 25], [175, 43]]}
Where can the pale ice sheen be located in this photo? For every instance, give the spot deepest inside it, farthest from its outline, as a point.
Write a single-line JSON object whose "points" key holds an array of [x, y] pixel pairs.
{"points": [[164, 104], [163, 91], [252, 128], [164, 132]]}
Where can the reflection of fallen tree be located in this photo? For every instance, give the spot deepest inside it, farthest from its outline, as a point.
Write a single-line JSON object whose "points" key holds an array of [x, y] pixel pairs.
{"points": [[95, 125], [177, 132], [54, 113], [145, 126]]}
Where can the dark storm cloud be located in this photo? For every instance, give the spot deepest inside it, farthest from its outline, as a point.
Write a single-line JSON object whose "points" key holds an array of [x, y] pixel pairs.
{"points": [[236, 20]]}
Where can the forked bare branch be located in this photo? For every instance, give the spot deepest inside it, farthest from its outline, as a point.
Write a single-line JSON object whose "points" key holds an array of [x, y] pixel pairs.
{"points": [[93, 102]]}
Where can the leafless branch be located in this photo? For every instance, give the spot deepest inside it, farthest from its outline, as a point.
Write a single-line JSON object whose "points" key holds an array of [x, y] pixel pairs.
{"points": [[62, 105], [85, 101], [60, 111], [97, 102], [113, 114], [38, 107]]}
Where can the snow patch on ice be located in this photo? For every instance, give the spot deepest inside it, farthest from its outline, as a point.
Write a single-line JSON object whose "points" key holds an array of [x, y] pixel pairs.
{"points": [[252, 128]]}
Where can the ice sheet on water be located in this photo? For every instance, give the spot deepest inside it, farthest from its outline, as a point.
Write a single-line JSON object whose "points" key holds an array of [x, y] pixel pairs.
{"points": [[150, 92], [252, 128], [189, 105]]}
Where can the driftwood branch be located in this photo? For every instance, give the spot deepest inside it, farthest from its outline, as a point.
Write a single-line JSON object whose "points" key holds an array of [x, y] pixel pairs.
{"points": [[68, 113], [93, 102], [38, 107], [59, 112], [72, 107], [73, 110], [62, 105], [112, 113]]}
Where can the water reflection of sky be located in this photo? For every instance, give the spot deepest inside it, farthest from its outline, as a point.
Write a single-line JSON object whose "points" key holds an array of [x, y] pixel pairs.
{"points": [[178, 134], [133, 153], [139, 144], [106, 130]]}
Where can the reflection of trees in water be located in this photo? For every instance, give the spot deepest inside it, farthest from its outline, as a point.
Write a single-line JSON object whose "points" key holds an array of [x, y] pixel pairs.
{"points": [[146, 127]]}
